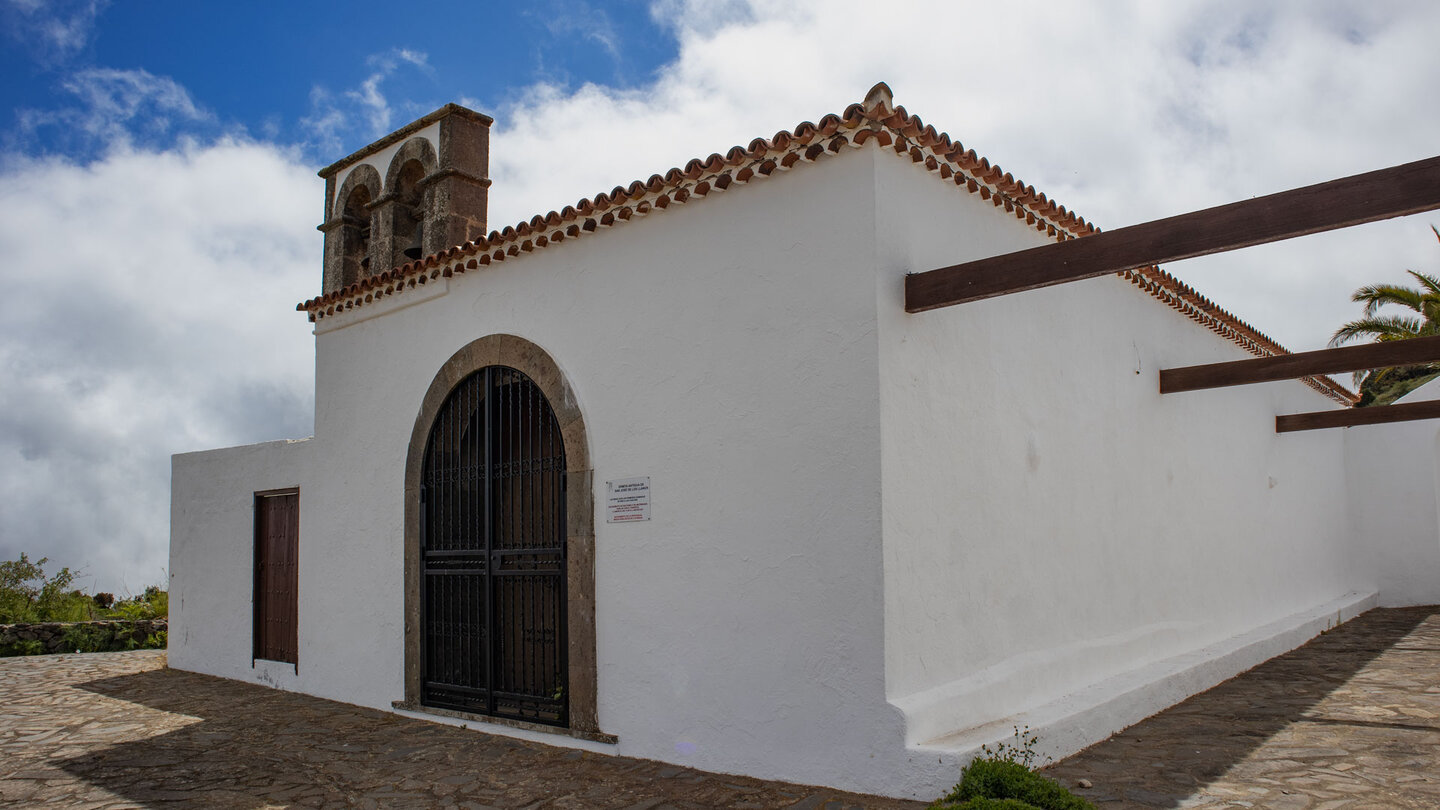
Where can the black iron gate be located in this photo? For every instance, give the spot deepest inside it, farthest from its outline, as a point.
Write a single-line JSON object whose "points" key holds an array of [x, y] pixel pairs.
{"points": [[492, 552]]}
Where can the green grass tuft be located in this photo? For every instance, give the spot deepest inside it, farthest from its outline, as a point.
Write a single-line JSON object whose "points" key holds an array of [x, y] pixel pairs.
{"points": [[1003, 784]]}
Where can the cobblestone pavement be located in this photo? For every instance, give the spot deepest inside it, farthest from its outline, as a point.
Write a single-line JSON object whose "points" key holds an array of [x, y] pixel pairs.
{"points": [[117, 730], [1351, 720]]}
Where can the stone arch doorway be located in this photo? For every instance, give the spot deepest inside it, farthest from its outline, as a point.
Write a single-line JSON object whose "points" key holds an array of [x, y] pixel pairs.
{"points": [[487, 371], [492, 553]]}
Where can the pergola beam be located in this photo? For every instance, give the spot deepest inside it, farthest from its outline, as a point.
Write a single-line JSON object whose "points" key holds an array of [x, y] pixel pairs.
{"points": [[1303, 364], [1350, 417], [1407, 189]]}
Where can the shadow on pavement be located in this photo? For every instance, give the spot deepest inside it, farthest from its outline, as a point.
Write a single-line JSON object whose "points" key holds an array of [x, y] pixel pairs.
{"points": [[1168, 758], [255, 747]]}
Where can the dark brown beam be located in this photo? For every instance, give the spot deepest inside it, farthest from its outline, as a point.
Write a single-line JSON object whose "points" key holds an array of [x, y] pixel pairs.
{"points": [[1349, 417], [1303, 364], [1393, 192]]}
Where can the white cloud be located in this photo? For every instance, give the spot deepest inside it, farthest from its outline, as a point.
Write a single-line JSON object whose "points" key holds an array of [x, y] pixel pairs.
{"points": [[1125, 112], [589, 22], [417, 58], [377, 109], [326, 123], [116, 107], [149, 310], [332, 118], [52, 31], [700, 16]]}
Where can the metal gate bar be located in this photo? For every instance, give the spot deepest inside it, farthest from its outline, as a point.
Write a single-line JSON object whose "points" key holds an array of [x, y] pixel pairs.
{"points": [[493, 552]]}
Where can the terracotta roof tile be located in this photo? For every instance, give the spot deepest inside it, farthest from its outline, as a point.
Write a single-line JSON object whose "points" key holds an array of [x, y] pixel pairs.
{"points": [[875, 120]]}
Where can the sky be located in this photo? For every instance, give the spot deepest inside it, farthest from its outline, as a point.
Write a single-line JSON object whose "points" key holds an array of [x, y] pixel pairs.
{"points": [[158, 195]]}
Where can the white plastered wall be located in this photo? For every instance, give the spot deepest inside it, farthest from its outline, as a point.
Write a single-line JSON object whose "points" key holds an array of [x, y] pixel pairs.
{"points": [[1055, 527], [1394, 502], [212, 557], [349, 609]]}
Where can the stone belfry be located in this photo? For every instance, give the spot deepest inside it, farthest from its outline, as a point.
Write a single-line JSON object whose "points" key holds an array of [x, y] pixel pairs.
{"points": [[419, 190]]}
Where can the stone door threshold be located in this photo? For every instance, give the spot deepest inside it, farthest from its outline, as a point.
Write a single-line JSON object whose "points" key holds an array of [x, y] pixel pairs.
{"points": [[486, 720]]}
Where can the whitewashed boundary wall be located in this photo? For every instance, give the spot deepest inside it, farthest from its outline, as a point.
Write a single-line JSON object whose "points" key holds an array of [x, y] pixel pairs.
{"points": [[1391, 472], [1064, 545]]}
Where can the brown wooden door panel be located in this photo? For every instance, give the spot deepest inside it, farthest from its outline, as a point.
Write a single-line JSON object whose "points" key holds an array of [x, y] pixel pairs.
{"points": [[277, 535]]}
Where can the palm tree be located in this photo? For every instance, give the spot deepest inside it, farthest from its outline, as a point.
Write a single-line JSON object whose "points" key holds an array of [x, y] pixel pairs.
{"points": [[1384, 385]]}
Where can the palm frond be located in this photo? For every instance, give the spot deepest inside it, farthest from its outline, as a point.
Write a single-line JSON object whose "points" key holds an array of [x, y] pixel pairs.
{"points": [[1424, 302], [1380, 328], [1375, 296], [1377, 378], [1429, 282]]}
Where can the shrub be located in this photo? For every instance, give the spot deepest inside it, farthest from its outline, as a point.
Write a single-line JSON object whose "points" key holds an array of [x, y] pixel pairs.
{"points": [[1002, 779], [74, 606], [152, 604], [85, 638], [982, 803], [27, 595], [1021, 750], [996, 784], [88, 638], [22, 647]]}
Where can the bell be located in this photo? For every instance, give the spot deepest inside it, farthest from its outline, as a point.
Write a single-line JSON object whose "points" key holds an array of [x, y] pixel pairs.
{"points": [[412, 251]]}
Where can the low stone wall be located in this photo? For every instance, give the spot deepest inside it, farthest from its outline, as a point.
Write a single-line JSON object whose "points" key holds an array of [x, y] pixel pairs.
{"points": [[114, 634]]}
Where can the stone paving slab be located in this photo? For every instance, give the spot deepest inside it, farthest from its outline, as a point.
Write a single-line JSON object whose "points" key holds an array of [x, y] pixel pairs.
{"points": [[118, 730], [1350, 720]]}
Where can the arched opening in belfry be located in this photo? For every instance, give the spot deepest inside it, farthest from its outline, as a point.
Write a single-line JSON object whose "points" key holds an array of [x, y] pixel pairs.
{"points": [[409, 213], [355, 236]]}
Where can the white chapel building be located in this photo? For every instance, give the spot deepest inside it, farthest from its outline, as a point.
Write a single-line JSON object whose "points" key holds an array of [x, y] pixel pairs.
{"points": [[671, 473]]}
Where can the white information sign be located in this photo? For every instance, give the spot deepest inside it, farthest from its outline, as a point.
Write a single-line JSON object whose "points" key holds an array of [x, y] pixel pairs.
{"points": [[627, 500]]}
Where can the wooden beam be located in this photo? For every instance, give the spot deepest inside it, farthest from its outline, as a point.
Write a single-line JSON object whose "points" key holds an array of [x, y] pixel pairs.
{"points": [[1349, 417], [1303, 364], [1393, 192]]}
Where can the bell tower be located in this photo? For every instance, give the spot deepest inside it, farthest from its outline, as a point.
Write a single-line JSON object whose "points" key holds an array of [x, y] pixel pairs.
{"points": [[419, 190]]}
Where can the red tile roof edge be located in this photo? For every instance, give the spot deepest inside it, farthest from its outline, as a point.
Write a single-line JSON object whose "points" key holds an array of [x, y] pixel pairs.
{"points": [[1184, 299], [877, 119]]}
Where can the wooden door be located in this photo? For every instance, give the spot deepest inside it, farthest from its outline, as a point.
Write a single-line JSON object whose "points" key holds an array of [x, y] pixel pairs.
{"points": [[277, 545]]}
